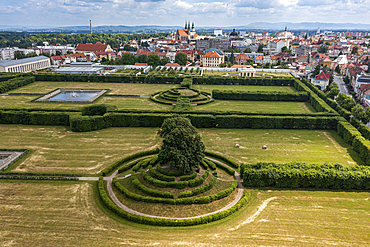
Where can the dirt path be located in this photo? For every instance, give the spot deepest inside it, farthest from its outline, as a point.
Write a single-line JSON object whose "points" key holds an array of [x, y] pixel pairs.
{"points": [[129, 210]]}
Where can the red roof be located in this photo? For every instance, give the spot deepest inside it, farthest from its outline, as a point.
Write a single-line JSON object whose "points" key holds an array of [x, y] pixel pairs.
{"points": [[57, 58], [91, 47], [212, 54], [182, 32], [141, 64], [242, 56], [258, 58], [241, 66], [172, 65], [322, 76]]}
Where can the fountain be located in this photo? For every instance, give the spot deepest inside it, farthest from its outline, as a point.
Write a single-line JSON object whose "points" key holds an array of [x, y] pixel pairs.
{"points": [[71, 95], [74, 95]]}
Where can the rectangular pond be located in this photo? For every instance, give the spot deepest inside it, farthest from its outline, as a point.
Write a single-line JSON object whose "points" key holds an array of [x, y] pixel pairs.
{"points": [[73, 95]]}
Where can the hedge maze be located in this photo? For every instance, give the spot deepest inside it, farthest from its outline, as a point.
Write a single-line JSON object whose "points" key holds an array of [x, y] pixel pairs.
{"points": [[150, 182]]}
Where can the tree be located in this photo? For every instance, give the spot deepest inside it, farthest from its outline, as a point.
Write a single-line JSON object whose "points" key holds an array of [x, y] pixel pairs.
{"points": [[355, 50], [229, 64], [333, 90], [359, 113], [285, 49], [316, 71], [142, 58], [323, 49], [337, 69], [182, 147], [260, 48], [181, 58], [222, 65], [165, 60], [127, 59], [154, 60], [232, 57], [247, 50]]}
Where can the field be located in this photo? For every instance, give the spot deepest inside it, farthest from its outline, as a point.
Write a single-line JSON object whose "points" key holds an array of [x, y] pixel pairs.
{"points": [[60, 213], [56, 149]]}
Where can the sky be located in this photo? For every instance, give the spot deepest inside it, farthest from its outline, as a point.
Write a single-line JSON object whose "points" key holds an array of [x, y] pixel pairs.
{"points": [[204, 13]]}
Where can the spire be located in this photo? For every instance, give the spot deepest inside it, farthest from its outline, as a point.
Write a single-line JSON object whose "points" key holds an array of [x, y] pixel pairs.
{"points": [[192, 27], [186, 25], [286, 29]]}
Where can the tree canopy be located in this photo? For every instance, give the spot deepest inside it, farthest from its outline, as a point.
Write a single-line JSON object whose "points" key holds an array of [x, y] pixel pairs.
{"points": [[181, 59], [154, 60], [182, 147]]}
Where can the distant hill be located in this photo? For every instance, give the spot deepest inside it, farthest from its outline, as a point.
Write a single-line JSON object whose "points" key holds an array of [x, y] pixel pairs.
{"points": [[159, 28]]}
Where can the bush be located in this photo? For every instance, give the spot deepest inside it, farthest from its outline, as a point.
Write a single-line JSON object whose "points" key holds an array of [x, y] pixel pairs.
{"points": [[149, 191], [188, 177], [199, 190], [15, 83], [187, 82], [34, 118], [167, 172], [210, 164]]}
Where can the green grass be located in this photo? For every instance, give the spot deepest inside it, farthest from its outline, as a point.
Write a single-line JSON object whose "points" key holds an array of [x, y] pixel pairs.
{"points": [[257, 106], [310, 146], [209, 88], [24, 102], [60, 213], [43, 87], [57, 149]]}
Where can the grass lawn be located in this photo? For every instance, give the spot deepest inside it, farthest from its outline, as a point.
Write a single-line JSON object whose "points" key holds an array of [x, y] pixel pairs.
{"points": [[209, 88], [44, 87], [310, 146], [56, 149], [24, 102], [68, 213], [257, 106]]}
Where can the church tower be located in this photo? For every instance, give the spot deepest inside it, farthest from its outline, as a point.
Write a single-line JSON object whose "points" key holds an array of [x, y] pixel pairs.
{"points": [[192, 27]]}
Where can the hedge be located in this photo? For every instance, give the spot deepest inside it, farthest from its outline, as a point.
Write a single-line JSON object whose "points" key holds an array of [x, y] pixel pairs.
{"points": [[141, 164], [301, 175], [118, 163], [198, 181], [163, 184], [362, 128], [222, 158], [347, 131], [259, 96], [90, 123], [188, 177], [34, 118], [93, 110], [149, 191], [210, 164], [169, 173], [200, 189], [15, 83], [160, 176], [166, 222]]}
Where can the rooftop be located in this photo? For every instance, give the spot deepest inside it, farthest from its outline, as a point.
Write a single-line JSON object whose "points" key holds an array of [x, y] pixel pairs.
{"points": [[6, 63]]}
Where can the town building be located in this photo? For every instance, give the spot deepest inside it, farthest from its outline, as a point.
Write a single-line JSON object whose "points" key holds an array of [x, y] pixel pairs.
{"points": [[248, 71], [242, 59], [98, 46], [212, 58], [6, 53], [187, 34], [25, 65], [322, 80]]}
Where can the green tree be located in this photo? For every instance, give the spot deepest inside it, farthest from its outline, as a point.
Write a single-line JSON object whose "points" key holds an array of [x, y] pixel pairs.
{"points": [[355, 50], [181, 59], [154, 60], [323, 49], [127, 59], [359, 113], [142, 58], [333, 90], [316, 71], [165, 60], [182, 147], [247, 50], [229, 64], [285, 49], [346, 79], [18, 55], [222, 65], [260, 47], [337, 69]]}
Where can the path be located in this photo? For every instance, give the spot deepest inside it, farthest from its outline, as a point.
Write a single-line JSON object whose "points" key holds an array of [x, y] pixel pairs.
{"points": [[129, 210]]}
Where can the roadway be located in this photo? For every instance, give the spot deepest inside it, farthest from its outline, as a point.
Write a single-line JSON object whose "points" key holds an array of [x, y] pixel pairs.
{"points": [[341, 85]]}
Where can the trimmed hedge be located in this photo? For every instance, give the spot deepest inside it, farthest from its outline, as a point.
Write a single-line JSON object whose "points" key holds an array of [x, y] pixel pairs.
{"points": [[188, 177], [93, 110], [200, 189], [222, 158], [210, 164], [141, 164], [160, 176], [260, 96], [34, 118], [167, 172], [149, 191], [198, 181], [301, 175], [118, 163], [90, 123], [166, 222], [15, 83], [362, 128], [163, 184]]}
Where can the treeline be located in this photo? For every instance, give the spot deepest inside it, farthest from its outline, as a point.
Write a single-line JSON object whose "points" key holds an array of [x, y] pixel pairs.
{"points": [[25, 39]]}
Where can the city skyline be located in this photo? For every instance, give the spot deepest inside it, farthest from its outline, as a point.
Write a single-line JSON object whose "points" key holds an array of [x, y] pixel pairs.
{"points": [[204, 13]]}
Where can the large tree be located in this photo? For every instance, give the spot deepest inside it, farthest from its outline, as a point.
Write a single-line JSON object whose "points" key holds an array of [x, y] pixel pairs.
{"points": [[182, 147], [154, 60], [181, 58]]}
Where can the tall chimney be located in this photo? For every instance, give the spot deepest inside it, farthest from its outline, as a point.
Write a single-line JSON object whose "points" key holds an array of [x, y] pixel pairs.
{"points": [[90, 27]]}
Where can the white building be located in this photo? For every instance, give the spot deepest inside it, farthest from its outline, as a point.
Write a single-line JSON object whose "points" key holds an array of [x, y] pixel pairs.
{"points": [[25, 65], [6, 53], [217, 32]]}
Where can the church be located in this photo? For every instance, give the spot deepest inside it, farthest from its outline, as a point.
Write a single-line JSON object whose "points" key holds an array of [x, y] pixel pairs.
{"points": [[188, 34]]}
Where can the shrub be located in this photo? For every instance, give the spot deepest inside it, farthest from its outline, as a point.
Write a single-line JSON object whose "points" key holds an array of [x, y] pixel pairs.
{"points": [[149, 191], [94, 110], [188, 177], [160, 176], [198, 181]]}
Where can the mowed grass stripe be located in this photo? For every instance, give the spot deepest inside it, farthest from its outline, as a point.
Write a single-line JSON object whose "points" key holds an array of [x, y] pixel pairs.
{"points": [[56, 149]]}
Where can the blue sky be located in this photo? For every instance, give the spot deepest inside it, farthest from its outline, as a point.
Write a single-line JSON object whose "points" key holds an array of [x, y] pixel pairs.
{"points": [[175, 12]]}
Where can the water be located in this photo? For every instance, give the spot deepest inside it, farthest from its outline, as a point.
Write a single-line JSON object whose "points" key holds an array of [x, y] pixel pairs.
{"points": [[71, 96]]}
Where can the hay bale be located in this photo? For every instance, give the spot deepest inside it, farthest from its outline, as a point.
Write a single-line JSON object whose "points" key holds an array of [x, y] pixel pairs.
{"points": [[264, 147], [236, 145]]}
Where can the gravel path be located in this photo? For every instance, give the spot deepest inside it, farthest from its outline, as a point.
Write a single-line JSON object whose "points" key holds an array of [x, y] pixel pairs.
{"points": [[129, 210]]}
